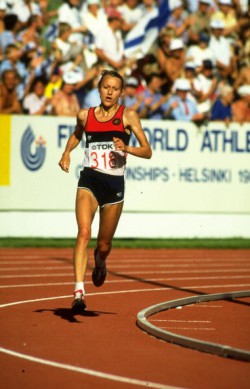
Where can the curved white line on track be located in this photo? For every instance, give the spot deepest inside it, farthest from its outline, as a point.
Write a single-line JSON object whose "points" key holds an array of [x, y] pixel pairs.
{"points": [[82, 370]]}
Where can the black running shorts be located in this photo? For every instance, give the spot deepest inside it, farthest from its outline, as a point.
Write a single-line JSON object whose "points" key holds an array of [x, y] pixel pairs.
{"points": [[106, 188]]}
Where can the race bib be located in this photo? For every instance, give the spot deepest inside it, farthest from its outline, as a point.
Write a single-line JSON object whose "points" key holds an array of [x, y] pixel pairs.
{"points": [[103, 156]]}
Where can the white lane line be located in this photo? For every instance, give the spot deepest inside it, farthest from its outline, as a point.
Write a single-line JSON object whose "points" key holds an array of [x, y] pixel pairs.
{"points": [[86, 371], [166, 279], [179, 321], [130, 291], [136, 273], [189, 328], [118, 267]]}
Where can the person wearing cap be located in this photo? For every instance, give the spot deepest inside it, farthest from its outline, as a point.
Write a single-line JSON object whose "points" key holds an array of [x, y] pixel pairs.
{"points": [[227, 14], [107, 129], [241, 107], [199, 21], [64, 102], [131, 97], [221, 48], [174, 64], [9, 102], [180, 106]]}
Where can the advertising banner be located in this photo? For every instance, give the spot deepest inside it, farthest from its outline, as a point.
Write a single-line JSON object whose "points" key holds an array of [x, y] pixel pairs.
{"points": [[193, 169]]}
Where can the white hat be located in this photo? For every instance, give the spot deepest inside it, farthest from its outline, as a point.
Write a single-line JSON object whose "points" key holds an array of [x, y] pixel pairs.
{"points": [[72, 77], [226, 2], [190, 65], [182, 84], [132, 81], [244, 90], [208, 2], [217, 23], [176, 44], [175, 4], [90, 2], [3, 6]]}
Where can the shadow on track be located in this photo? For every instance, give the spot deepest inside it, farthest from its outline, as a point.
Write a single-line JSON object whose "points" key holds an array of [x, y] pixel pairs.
{"points": [[68, 315]]}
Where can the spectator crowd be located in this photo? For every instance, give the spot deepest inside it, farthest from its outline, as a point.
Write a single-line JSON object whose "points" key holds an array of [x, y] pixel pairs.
{"points": [[197, 67]]}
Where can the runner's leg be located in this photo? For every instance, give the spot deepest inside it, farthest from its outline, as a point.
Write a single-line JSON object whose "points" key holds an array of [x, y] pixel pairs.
{"points": [[86, 206]]}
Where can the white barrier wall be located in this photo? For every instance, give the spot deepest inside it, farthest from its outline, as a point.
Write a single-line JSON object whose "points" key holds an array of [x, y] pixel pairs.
{"points": [[196, 175]]}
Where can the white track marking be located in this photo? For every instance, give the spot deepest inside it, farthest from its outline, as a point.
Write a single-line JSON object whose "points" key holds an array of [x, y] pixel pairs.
{"points": [[83, 370], [119, 267], [136, 273], [128, 281], [179, 321], [126, 291]]}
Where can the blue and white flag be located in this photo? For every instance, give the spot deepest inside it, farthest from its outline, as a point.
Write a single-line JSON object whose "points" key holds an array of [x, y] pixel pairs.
{"points": [[139, 40]]}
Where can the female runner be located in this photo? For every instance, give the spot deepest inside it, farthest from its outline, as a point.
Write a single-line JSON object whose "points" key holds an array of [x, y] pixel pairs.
{"points": [[107, 130]]}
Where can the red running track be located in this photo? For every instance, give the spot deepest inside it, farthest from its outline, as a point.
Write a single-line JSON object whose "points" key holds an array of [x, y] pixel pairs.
{"points": [[44, 346]]}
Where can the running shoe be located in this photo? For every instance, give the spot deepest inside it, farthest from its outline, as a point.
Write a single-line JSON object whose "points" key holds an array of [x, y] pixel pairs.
{"points": [[78, 304], [99, 273]]}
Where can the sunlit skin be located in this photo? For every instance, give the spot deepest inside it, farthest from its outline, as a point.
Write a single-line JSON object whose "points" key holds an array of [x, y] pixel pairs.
{"points": [[110, 91]]}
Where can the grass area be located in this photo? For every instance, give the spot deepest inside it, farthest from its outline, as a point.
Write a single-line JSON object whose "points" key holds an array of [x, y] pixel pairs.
{"points": [[234, 243]]}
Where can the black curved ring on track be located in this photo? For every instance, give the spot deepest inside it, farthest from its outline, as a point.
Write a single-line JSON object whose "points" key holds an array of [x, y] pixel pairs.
{"points": [[213, 348]]}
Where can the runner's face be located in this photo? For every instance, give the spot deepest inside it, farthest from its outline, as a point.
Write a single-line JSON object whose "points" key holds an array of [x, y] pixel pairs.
{"points": [[110, 90]]}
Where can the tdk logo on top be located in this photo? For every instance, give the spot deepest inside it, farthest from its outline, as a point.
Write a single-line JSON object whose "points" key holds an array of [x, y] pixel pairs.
{"points": [[102, 147], [32, 150]]}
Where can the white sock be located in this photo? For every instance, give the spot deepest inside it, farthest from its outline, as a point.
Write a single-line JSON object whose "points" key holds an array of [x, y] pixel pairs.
{"points": [[79, 286]]}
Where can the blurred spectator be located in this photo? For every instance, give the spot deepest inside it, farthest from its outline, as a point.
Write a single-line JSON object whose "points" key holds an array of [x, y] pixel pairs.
{"points": [[241, 107], [35, 102], [2, 15], [182, 107], [65, 102], [153, 98], [179, 21], [221, 48], [69, 12], [226, 13], [131, 11], [24, 9], [94, 19], [32, 33], [200, 51], [174, 64], [208, 87], [54, 83], [9, 102], [109, 42], [243, 76], [131, 97], [13, 61], [8, 36], [163, 47], [199, 21], [222, 107], [65, 51]]}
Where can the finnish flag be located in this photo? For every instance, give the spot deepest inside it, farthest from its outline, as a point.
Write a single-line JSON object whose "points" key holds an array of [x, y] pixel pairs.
{"points": [[139, 40]]}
